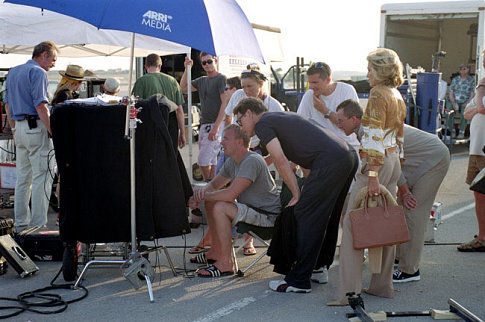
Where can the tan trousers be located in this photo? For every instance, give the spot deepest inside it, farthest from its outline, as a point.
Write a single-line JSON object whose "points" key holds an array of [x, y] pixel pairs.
{"points": [[351, 260], [424, 190]]}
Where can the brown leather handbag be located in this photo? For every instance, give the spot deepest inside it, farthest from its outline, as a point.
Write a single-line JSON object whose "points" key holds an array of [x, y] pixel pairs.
{"points": [[378, 226]]}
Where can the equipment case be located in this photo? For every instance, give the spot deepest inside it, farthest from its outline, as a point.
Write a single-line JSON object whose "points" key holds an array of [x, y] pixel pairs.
{"points": [[41, 244], [16, 257], [6, 226]]}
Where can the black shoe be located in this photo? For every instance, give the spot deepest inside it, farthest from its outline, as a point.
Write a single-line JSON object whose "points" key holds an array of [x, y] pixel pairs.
{"points": [[401, 277]]}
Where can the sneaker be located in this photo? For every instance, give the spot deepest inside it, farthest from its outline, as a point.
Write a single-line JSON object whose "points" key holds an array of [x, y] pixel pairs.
{"points": [[320, 275], [283, 287], [401, 277]]}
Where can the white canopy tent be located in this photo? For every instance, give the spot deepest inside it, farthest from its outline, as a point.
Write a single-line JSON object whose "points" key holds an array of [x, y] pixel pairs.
{"points": [[23, 27]]}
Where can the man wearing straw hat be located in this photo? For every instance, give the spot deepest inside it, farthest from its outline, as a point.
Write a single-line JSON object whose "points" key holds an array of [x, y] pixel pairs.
{"points": [[26, 97]]}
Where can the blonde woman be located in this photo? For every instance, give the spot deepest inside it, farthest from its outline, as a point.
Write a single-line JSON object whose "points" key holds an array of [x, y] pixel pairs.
{"points": [[70, 82], [381, 149]]}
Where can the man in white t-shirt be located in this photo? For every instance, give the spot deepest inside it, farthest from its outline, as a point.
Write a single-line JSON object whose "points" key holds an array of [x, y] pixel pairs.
{"points": [[321, 100], [320, 104]]}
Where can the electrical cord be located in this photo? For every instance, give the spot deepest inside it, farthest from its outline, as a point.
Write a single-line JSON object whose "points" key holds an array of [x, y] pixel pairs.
{"points": [[41, 302], [5, 150]]}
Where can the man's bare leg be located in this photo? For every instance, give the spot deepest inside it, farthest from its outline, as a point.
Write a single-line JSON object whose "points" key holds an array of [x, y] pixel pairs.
{"points": [[212, 253], [206, 171], [222, 215]]}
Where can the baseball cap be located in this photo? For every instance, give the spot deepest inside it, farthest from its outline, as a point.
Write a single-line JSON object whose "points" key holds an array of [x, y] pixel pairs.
{"points": [[111, 85]]}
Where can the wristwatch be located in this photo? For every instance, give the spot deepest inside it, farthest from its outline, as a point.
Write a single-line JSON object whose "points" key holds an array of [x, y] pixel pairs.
{"points": [[327, 115]]}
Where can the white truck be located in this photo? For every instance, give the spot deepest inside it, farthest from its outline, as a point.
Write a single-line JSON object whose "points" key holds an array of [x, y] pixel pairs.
{"points": [[417, 31]]}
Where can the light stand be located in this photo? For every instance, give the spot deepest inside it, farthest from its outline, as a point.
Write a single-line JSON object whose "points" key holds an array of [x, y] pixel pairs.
{"points": [[136, 268]]}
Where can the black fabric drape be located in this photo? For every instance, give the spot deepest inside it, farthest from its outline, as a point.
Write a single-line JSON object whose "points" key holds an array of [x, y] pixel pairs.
{"points": [[93, 160], [282, 248]]}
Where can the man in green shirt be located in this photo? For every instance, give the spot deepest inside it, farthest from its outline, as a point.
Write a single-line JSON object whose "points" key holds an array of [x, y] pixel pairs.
{"points": [[156, 82]]}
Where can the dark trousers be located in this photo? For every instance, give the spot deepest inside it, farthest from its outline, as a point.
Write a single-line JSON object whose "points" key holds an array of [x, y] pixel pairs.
{"points": [[317, 216]]}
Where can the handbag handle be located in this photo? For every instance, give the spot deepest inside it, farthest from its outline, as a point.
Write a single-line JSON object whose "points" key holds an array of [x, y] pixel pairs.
{"points": [[366, 206]]}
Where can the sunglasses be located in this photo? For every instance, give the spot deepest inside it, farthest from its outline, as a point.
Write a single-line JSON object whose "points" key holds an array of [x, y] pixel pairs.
{"points": [[228, 88], [319, 65], [208, 61]]}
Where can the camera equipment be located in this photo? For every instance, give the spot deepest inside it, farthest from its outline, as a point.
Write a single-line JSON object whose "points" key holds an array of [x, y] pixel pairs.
{"points": [[32, 121]]}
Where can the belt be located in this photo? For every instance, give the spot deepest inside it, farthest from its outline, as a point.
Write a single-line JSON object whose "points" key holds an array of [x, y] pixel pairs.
{"points": [[22, 117], [390, 150], [386, 152]]}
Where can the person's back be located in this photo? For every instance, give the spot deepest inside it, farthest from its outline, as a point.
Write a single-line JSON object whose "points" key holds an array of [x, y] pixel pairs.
{"points": [[422, 151], [157, 83], [301, 139], [23, 79]]}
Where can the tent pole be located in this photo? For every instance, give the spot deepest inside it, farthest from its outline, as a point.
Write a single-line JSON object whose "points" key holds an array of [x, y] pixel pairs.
{"points": [[189, 114]]}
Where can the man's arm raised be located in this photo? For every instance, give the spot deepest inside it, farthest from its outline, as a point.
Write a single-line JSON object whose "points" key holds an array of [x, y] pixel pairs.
{"points": [[283, 166]]}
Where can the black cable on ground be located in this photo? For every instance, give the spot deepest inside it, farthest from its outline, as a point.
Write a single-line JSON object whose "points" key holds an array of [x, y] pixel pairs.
{"points": [[41, 302], [5, 150]]}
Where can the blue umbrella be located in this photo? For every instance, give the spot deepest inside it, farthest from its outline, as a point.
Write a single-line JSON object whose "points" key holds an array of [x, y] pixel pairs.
{"points": [[218, 27]]}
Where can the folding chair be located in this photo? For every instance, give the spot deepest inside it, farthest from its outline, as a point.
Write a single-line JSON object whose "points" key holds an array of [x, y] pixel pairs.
{"points": [[260, 233], [263, 234]]}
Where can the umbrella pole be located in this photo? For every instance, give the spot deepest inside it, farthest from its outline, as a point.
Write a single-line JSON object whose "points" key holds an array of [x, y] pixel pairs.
{"points": [[189, 115]]}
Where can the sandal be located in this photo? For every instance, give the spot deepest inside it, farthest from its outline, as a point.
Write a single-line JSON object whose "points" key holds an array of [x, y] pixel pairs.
{"points": [[198, 249], [474, 245], [249, 251], [214, 272], [202, 259]]}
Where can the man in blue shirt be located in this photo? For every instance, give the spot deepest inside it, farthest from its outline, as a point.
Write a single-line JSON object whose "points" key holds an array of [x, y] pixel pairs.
{"points": [[26, 97]]}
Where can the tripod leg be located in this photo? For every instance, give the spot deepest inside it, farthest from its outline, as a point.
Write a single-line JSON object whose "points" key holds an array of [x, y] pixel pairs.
{"points": [[149, 286], [172, 267]]}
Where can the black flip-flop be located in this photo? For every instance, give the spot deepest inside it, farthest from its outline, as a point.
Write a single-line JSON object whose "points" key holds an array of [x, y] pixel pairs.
{"points": [[202, 259], [214, 272]]}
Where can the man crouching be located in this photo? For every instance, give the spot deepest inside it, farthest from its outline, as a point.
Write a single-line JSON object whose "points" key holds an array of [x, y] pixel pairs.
{"points": [[253, 187]]}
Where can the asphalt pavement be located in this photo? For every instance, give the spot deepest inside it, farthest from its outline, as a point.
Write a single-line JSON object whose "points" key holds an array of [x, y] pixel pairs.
{"points": [[445, 273]]}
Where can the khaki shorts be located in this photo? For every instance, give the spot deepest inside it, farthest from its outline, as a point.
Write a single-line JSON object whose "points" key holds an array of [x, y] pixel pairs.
{"points": [[475, 164], [252, 217]]}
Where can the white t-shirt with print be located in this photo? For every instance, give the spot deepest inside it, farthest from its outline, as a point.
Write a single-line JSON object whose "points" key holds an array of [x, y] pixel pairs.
{"points": [[341, 93]]}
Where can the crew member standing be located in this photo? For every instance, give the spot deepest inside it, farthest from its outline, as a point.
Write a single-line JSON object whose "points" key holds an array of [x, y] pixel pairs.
{"points": [[26, 97], [211, 90], [156, 82]]}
